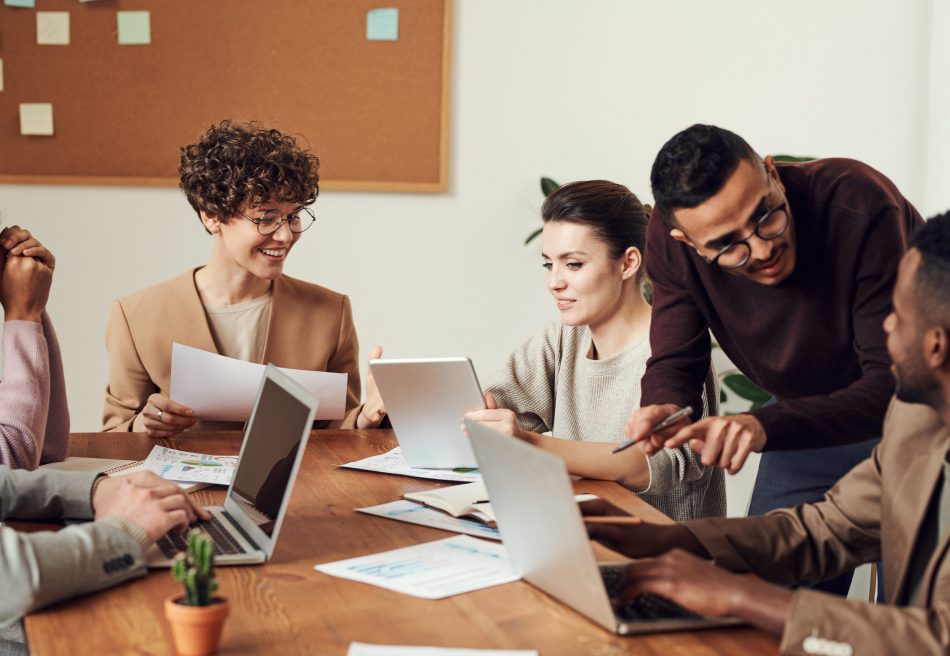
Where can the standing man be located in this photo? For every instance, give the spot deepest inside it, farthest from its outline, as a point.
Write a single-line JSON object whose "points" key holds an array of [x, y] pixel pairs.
{"points": [[894, 506], [791, 266]]}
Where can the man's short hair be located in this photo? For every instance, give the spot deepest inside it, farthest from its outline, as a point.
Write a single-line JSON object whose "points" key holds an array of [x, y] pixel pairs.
{"points": [[932, 282], [236, 164], [694, 166]]}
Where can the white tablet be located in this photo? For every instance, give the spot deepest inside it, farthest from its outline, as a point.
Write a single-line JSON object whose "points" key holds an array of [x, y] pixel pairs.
{"points": [[426, 399]]}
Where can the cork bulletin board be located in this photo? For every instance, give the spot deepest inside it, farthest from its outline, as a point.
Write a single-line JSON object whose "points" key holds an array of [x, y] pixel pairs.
{"points": [[374, 110]]}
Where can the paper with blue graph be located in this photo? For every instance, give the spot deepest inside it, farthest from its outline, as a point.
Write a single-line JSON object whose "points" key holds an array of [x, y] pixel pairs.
{"points": [[416, 513], [432, 570]]}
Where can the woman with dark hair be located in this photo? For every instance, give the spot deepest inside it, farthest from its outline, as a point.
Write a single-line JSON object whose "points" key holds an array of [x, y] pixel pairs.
{"points": [[579, 378], [251, 188]]}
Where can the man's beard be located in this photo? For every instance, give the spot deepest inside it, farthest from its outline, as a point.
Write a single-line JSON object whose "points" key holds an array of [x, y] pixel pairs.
{"points": [[917, 391]]}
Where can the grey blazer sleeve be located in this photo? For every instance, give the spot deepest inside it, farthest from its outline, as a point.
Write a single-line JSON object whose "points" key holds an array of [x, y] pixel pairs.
{"points": [[40, 568], [45, 494]]}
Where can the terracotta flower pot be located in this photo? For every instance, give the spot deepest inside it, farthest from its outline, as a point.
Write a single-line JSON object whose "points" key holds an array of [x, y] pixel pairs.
{"points": [[196, 629]]}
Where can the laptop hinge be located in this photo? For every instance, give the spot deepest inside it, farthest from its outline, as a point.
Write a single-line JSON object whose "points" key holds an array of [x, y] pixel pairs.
{"points": [[240, 529]]}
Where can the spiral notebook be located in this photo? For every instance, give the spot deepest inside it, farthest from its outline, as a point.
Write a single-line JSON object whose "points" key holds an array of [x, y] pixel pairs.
{"points": [[112, 467]]}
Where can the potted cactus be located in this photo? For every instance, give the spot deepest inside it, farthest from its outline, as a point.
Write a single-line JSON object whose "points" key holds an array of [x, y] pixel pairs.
{"points": [[197, 616]]}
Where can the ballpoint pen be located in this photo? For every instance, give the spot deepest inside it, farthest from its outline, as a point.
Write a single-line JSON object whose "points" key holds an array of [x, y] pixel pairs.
{"points": [[666, 423]]}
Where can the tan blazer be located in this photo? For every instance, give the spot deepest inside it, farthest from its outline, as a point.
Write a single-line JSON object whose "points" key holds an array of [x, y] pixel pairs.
{"points": [[874, 512], [310, 328]]}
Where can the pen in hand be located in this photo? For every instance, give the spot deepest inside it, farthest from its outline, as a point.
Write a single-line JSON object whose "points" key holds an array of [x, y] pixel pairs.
{"points": [[666, 423]]}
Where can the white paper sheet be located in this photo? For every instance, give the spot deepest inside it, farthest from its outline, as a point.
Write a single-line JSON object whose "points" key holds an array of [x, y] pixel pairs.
{"points": [[364, 649], [432, 570], [415, 513], [220, 388], [392, 462]]}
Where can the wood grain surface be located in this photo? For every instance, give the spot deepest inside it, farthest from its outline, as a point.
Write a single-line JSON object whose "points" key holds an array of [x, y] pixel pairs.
{"points": [[285, 607]]}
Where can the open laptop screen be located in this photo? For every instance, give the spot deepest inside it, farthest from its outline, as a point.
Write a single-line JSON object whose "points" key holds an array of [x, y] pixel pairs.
{"points": [[271, 445]]}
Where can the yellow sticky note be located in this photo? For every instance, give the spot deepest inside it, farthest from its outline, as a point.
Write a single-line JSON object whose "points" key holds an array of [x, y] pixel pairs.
{"points": [[52, 28], [36, 119]]}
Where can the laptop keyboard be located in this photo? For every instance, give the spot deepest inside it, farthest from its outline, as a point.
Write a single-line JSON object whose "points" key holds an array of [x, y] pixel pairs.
{"points": [[644, 608], [222, 541]]}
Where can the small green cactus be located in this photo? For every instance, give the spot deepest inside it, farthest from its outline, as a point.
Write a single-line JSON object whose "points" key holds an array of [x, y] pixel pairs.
{"points": [[194, 569]]}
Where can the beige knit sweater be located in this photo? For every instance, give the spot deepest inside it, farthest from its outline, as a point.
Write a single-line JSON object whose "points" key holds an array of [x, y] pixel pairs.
{"points": [[553, 386]]}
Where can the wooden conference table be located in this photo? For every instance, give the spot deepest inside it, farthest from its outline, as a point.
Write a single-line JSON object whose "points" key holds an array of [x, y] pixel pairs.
{"points": [[286, 607]]}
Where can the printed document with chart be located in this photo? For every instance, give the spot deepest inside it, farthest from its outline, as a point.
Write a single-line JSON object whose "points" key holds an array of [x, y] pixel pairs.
{"points": [[431, 570]]}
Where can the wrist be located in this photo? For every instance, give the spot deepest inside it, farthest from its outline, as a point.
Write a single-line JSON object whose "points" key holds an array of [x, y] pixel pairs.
{"points": [[23, 315], [362, 421], [92, 491], [534, 439]]}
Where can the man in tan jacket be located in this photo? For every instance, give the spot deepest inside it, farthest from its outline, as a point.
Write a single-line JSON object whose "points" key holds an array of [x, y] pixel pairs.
{"points": [[893, 507]]}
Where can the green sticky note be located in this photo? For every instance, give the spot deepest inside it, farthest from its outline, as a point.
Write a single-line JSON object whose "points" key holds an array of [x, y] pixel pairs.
{"points": [[20, 3], [135, 28], [382, 24]]}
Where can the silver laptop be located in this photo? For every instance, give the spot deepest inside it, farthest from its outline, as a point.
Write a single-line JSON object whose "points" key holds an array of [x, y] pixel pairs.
{"points": [[542, 529], [245, 529], [426, 399]]}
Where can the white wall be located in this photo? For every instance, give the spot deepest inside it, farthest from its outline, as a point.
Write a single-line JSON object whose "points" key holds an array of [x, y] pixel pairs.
{"points": [[936, 197], [541, 87]]}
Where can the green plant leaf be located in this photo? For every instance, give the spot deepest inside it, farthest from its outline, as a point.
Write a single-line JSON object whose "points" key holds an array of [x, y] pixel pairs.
{"points": [[745, 388], [532, 236], [793, 158], [548, 186]]}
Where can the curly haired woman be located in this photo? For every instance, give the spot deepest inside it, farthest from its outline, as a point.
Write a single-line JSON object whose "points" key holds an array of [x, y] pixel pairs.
{"points": [[251, 188]]}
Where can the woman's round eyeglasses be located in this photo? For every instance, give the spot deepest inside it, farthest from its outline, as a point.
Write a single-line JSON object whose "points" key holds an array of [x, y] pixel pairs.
{"points": [[270, 221]]}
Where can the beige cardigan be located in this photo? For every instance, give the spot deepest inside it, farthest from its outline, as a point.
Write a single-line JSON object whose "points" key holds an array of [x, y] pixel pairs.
{"points": [[310, 328]]}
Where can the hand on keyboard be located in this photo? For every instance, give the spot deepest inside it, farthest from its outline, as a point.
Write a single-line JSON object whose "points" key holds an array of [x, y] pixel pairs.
{"points": [[146, 500]]}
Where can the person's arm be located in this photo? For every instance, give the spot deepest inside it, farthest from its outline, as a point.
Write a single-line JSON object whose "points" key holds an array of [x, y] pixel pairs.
{"points": [[129, 385], [679, 334], [781, 546], [808, 621], [56, 441], [41, 568], [854, 413], [345, 359], [525, 384], [25, 389], [24, 394]]}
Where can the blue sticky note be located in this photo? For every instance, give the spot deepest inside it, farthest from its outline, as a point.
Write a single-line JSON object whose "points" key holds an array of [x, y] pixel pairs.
{"points": [[382, 24], [135, 28], [20, 3]]}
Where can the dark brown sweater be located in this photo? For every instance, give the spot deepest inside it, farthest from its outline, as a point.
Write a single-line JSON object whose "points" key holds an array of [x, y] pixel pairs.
{"points": [[816, 340]]}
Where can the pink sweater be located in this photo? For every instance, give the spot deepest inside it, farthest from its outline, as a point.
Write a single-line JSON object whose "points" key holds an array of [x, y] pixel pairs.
{"points": [[34, 418]]}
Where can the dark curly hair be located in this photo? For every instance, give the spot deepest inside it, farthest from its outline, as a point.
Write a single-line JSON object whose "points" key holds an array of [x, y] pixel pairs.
{"points": [[236, 164], [694, 166], [932, 281]]}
